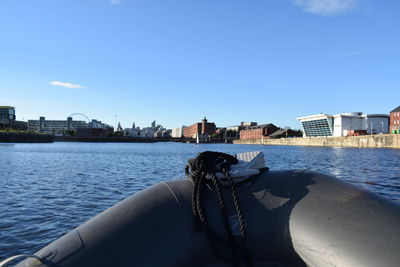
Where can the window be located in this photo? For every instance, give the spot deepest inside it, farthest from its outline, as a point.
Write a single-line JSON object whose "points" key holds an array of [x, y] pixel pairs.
{"points": [[317, 128]]}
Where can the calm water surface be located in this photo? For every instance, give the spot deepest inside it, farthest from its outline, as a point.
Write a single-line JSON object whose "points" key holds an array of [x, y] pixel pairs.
{"points": [[47, 190]]}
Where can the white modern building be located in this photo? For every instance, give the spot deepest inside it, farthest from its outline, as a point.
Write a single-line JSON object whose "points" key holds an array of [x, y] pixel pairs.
{"points": [[59, 127], [317, 125], [133, 132], [378, 123], [344, 124], [177, 132], [147, 132]]}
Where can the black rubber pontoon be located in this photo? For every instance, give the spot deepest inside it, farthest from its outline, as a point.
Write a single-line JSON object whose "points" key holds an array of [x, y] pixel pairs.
{"points": [[294, 218]]}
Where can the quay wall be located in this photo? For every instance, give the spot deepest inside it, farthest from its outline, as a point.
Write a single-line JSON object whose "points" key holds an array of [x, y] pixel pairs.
{"points": [[365, 141], [22, 137]]}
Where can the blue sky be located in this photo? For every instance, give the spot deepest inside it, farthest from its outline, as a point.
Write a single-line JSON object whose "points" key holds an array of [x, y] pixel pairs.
{"points": [[176, 61]]}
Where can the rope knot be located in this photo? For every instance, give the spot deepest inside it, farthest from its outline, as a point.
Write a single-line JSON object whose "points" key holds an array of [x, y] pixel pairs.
{"points": [[208, 163]]}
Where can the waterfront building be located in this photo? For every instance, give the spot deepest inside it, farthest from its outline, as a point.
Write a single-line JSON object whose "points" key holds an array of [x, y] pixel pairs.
{"points": [[158, 128], [201, 129], [162, 134], [133, 132], [8, 119], [317, 125], [99, 124], [147, 132], [258, 131], [395, 120], [344, 124], [233, 132], [286, 133], [62, 127], [178, 132], [377, 123], [167, 133], [57, 127]]}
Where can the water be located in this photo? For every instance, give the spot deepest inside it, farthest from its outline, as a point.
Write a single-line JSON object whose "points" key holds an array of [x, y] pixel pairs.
{"points": [[48, 189]]}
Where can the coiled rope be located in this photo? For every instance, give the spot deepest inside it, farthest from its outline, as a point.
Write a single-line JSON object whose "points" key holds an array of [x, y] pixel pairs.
{"points": [[208, 163]]}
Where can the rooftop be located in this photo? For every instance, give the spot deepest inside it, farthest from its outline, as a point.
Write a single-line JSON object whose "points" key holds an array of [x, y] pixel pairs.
{"points": [[396, 109], [314, 117], [266, 125]]}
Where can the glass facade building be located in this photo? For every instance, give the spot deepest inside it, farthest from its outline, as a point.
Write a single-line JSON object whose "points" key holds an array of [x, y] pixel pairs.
{"points": [[318, 128], [317, 125], [7, 114], [8, 119]]}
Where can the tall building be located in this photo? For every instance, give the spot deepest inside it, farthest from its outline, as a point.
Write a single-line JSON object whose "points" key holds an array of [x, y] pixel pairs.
{"points": [[153, 125], [7, 116], [8, 119], [395, 120], [202, 129]]}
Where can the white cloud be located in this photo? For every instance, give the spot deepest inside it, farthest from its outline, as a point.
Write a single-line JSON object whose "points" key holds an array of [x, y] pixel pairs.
{"points": [[67, 85], [115, 2], [326, 8], [355, 53]]}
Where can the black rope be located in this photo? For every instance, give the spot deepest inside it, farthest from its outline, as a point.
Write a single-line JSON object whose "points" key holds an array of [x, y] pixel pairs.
{"points": [[208, 163]]}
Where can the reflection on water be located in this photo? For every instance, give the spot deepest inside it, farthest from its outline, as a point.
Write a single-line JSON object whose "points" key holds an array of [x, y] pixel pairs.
{"points": [[49, 189]]}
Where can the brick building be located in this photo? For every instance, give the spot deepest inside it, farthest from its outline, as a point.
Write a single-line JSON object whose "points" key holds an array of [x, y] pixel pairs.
{"points": [[395, 120], [258, 131], [203, 129]]}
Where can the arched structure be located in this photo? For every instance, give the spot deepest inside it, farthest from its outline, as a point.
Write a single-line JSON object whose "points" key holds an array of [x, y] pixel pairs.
{"points": [[80, 114]]}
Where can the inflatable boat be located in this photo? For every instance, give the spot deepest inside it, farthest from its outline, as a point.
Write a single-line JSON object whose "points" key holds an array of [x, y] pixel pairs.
{"points": [[290, 218]]}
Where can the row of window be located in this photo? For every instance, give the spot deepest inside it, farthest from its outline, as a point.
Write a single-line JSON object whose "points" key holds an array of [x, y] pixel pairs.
{"points": [[396, 114], [317, 128]]}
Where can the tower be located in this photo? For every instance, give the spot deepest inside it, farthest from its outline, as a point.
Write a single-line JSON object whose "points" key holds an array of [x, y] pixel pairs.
{"points": [[119, 128], [203, 125]]}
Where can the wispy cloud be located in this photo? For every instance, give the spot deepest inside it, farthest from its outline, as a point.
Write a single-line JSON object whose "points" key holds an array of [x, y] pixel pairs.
{"points": [[66, 85], [326, 8], [115, 2], [355, 53]]}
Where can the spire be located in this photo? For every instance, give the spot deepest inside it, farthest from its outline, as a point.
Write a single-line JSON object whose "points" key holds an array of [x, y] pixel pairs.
{"points": [[119, 128]]}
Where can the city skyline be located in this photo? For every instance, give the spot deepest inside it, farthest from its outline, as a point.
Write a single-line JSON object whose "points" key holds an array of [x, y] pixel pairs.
{"points": [[180, 61]]}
